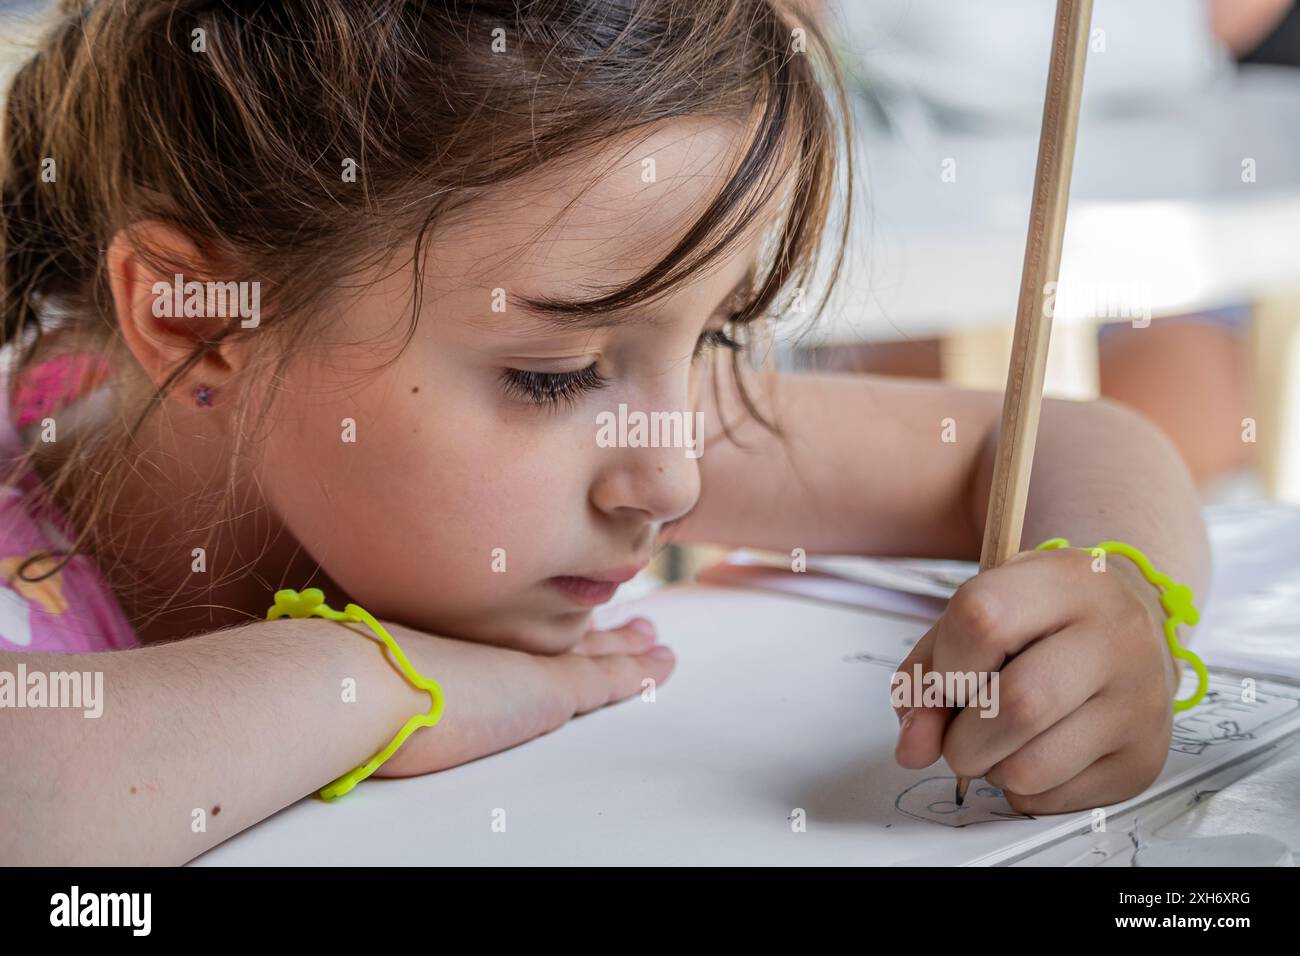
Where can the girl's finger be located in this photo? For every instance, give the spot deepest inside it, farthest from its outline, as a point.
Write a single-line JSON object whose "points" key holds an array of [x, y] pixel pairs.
{"points": [[997, 614], [601, 680], [920, 729], [1034, 692], [920, 654], [635, 636], [920, 736], [1064, 751], [1108, 780]]}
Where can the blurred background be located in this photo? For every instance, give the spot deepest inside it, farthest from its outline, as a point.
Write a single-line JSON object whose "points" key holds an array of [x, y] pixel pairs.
{"points": [[1179, 292]]}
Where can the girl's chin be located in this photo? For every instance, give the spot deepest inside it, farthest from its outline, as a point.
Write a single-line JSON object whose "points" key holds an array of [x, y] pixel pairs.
{"points": [[534, 632]]}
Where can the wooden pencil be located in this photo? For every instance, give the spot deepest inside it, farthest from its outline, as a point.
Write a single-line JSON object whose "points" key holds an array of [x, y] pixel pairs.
{"points": [[1023, 397]]}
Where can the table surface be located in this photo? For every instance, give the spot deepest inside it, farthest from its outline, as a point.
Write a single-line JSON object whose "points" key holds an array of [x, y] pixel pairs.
{"points": [[655, 783], [606, 787], [1159, 215]]}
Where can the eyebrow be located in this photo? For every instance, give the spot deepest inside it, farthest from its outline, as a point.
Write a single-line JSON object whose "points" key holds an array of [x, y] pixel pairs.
{"points": [[562, 314]]}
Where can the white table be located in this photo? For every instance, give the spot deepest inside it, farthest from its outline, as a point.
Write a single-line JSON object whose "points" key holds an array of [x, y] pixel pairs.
{"points": [[725, 790], [745, 732]]}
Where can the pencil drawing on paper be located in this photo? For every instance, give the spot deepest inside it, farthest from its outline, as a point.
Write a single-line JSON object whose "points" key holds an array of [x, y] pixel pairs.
{"points": [[932, 800], [865, 657], [1225, 718]]}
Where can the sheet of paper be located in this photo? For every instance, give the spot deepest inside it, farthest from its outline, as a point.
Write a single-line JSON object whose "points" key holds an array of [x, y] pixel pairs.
{"points": [[934, 578], [1251, 619], [747, 570], [771, 744]]}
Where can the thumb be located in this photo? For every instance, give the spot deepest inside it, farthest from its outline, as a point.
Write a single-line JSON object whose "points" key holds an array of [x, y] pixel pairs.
{"points": [[921, 729]]}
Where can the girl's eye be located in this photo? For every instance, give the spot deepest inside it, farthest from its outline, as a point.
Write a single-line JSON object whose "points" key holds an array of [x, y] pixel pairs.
{"points": [[550, 388], [554, 388], [716, 339]]}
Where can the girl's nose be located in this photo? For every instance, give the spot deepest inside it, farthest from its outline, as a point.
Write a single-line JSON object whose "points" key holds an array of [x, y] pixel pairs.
{"points": [[662, 483]]}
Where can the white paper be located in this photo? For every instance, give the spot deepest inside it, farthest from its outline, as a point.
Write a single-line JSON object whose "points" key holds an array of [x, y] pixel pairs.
{"points": [[778, 711]]}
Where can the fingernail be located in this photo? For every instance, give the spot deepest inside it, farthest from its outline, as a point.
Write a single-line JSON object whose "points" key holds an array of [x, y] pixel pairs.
{"points": [[642, 626], [661, 652]]}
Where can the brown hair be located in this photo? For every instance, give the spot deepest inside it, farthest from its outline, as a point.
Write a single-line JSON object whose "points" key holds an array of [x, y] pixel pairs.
{"points": [[230, 122]]}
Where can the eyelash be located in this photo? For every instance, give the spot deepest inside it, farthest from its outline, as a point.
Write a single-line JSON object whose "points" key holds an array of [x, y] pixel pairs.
{"points": [[550, 388], [555, 388]]}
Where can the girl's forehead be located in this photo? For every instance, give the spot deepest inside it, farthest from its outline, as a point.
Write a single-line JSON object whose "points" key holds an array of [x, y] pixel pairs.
{"points": [[614, 211]]}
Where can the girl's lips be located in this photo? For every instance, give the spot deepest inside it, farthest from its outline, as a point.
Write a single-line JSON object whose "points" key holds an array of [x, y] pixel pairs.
{"points": [[585, 591]]}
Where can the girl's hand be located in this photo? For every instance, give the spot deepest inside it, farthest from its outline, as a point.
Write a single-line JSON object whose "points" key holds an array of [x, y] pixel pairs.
{"points": [[497, 698], [1085, 683]]}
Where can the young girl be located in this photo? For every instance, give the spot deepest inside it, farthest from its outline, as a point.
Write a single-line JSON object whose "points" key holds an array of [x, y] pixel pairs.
{"points": [[443, 242]]}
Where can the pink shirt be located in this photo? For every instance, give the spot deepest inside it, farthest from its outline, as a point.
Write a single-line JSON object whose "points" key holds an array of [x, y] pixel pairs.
{"points": [[74, 610]]}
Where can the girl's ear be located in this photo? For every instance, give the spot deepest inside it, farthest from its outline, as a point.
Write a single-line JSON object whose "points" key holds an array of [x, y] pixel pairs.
{"points": [[162, 318]]}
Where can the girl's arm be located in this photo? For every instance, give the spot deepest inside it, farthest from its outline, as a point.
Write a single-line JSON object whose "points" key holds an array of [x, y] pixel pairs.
{"points": [[240, 723], [866, 469], [1081, 682]]}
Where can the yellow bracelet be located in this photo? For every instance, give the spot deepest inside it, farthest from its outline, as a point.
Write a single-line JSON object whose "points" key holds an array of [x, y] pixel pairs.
{"points": [[1175, 598], [311, 603]]}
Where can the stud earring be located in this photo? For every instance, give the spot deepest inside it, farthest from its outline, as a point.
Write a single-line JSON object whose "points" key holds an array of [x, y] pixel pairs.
{"points": [[203, 395]]}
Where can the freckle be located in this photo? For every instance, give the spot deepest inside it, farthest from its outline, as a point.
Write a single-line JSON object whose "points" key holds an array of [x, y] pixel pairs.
{"points": [[660, 469], [415, 389], [216, 810], [133, 789]]}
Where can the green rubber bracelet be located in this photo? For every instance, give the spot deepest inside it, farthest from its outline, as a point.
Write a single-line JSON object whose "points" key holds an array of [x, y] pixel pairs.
{"points": [[1175, 598], [311, 603]]}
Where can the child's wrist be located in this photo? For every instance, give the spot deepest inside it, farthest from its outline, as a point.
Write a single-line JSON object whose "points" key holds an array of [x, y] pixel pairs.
{"points": [[1174, 608], [1149, 595], [371, 681]]}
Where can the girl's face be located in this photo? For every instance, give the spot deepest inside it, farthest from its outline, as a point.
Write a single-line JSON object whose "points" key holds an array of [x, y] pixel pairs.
{"points": [[465, 487]]}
